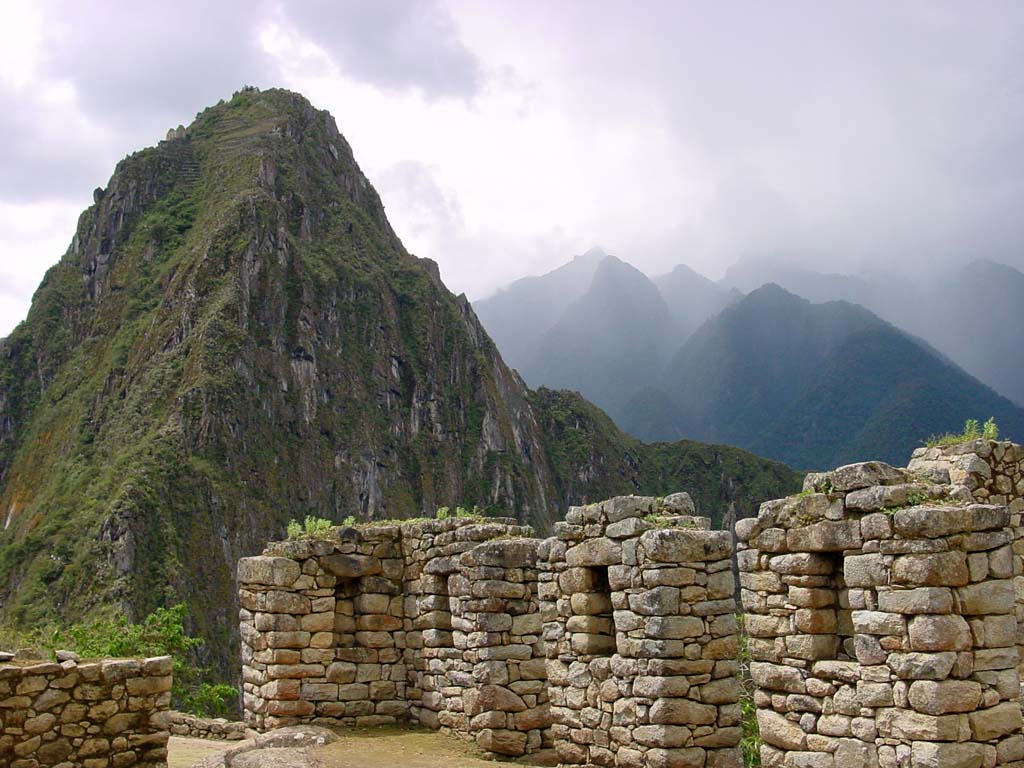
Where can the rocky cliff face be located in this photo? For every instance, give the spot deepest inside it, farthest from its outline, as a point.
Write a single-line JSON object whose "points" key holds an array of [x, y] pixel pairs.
{"points": [[236, 337]]}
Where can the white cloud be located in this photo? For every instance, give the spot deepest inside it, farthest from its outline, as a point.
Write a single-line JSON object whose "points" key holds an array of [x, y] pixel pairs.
{"points": [[505, 137]]}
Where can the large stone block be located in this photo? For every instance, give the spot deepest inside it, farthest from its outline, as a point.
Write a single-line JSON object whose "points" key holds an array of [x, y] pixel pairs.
{"points": [[939, 633], [943, 697], [351, 566], [595, 552], [987, 597], [852, 477], [995, 722], [779, 732], [917, 601], [935, 569], [928, 754], [686, 545], [825, 536], [270, 571]]}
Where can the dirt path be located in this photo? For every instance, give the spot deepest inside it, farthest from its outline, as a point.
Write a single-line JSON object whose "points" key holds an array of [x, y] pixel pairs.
{"points": [[361, 748], [401, 748], [184, 753]]}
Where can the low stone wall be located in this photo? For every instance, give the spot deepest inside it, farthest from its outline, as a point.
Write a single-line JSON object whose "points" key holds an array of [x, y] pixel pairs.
{"points": [[85, 713], [218, 728], [639, 619], [882, 616]]}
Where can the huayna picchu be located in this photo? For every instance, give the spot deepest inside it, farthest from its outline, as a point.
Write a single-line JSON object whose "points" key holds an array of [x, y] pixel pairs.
{"points": [[236, 337]]}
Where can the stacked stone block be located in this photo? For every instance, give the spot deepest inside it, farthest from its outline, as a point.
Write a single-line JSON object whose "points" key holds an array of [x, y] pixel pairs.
{"points": [[881, 616], [496, 622], [378, 624], [993, 472], [639, 619], [216, 728], [92, 714]]}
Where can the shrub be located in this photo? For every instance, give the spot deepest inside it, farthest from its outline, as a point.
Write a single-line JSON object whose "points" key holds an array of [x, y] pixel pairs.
{"points": [[314, 527], [162, 633]]}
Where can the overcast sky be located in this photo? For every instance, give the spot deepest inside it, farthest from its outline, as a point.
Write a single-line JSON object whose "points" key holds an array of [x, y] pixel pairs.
{"points": [[504, 137]]}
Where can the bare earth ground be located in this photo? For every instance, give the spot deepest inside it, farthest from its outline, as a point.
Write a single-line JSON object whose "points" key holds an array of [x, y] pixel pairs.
{"points": [[361, 748], [184, 753]]}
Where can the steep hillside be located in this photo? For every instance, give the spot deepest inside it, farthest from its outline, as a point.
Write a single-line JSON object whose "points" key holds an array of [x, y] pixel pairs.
{"points": [[234, 338], [593, 459], [815, 385], [609, 342], [518, 316]]}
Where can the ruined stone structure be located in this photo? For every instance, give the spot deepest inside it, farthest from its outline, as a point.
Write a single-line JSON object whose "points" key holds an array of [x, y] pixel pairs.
{"points": [[92, 714], [882, 613], [639, 620], [882, 609], [427, 622]]}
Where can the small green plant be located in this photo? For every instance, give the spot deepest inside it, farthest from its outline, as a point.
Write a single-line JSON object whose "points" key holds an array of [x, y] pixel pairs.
{"points": [[314, 528], [990, 431], [973, 430], [349, 521], [444, 513], [750, 742]]}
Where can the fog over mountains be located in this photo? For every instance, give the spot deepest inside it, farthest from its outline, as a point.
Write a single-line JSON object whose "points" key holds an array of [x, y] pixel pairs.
{"points": [[806, 367]]}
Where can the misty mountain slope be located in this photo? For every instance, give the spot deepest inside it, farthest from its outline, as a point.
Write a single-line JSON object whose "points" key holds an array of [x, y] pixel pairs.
{"points": [[816, 385], [973, 314], [236, 337], [749, 274], [976, 316], [608, 343], [692, 298], [517, 317], [731, 377], [877, 397]]}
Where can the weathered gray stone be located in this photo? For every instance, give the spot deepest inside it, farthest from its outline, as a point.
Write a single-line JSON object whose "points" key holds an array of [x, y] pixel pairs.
{"points": [[681, 545], [270, 571], [595, 552], [852, 477], [922, 666]]}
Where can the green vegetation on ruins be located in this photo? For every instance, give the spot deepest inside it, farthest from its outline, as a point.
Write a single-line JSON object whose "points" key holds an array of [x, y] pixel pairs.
{"points": [[972, 431]]}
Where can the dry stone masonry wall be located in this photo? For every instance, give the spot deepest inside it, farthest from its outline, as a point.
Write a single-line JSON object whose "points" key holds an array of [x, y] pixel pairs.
{"points": [[882, 614], [883, 610], [93, 714], [424, 622], [639, 619]]}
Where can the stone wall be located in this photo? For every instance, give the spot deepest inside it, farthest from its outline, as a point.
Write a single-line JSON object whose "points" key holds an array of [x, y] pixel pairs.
{"points": [[92, 714], [421, 622], [216, 728], [882, 614], [994, 474], [883, 609], [639, 620]]}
